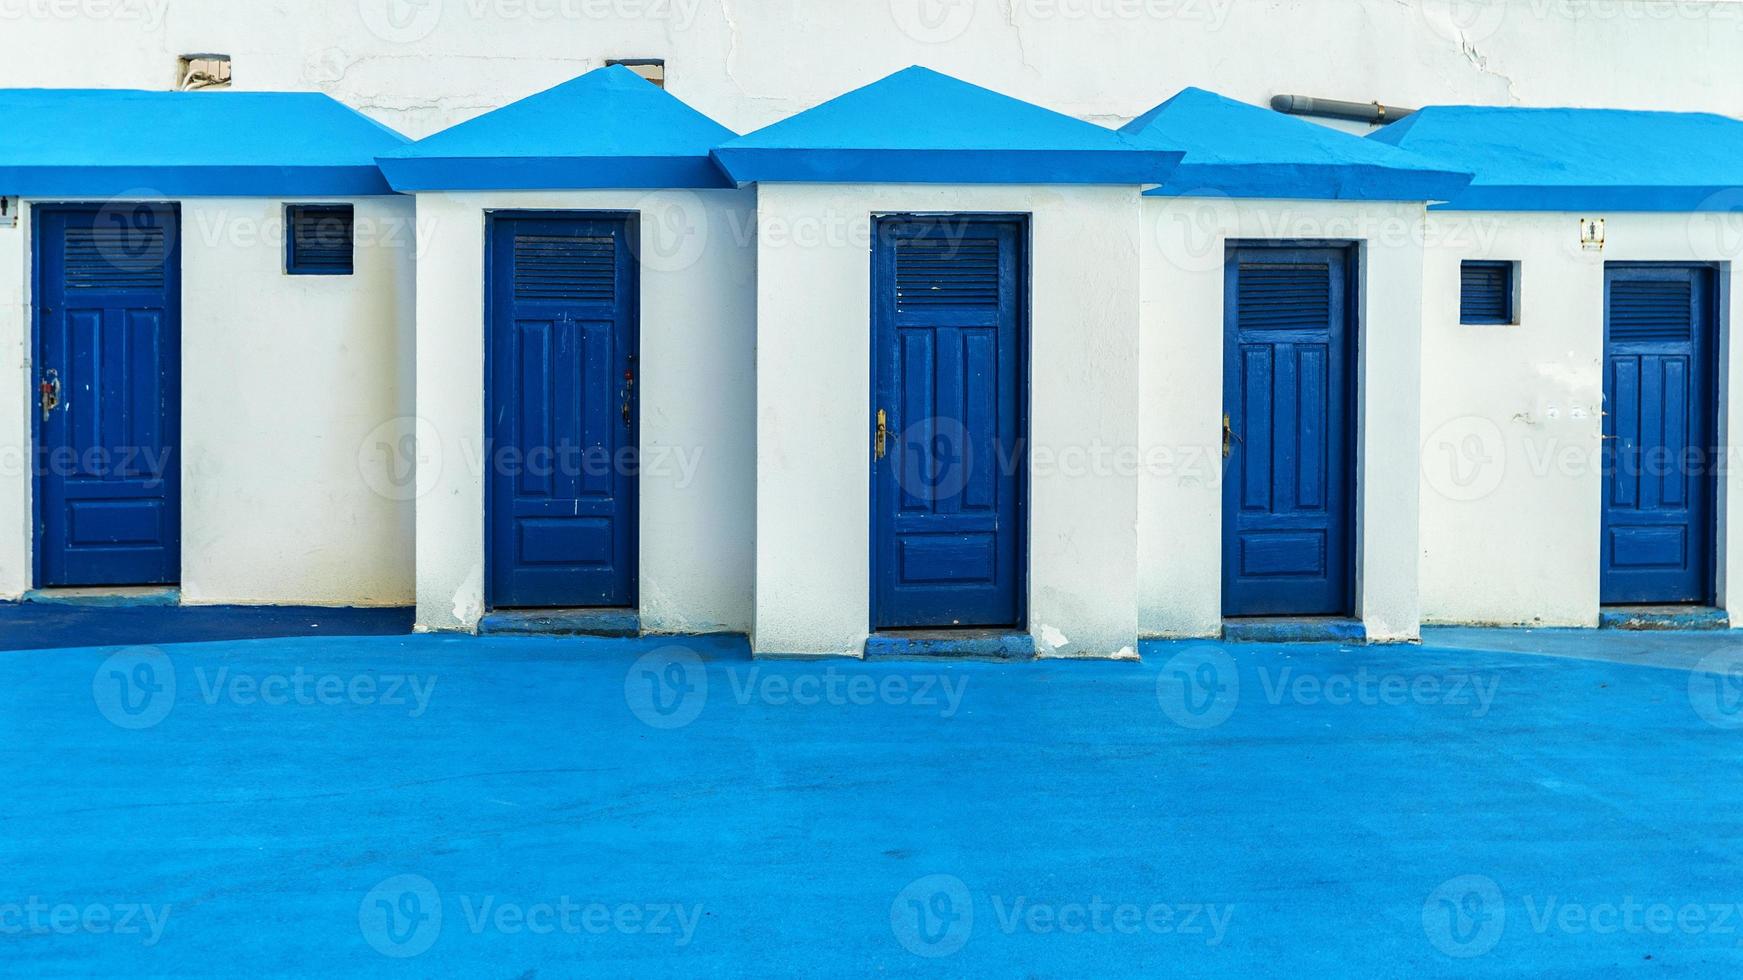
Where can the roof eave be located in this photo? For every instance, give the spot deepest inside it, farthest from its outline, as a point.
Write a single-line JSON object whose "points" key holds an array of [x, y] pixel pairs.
{"points": [[1312, 182], [1678, 199], [749, 164], [207, 180], [411, 174]]}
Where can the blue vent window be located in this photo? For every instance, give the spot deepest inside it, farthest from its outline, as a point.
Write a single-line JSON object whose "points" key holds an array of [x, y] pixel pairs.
{"points": [[318, 239], [1644, 310], [1486, 293], [579, 269], [1278, 296], [941, 272]]}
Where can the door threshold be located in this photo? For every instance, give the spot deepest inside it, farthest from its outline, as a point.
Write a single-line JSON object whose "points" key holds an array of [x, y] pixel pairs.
{"points": [[950, 644], [589, 621], [1663, 618], [1294, 629], [108, 595]]}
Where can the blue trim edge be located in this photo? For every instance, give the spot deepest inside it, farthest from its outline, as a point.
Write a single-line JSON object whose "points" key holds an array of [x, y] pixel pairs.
{"points": [[747, 165]]}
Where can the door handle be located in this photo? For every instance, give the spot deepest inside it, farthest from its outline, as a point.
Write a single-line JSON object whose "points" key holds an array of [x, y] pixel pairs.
{"points": [[628, 389], [1229, 436], [49, 392], [883, 433]]}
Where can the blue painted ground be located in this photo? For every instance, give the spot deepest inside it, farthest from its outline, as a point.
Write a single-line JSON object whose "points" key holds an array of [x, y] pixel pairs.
{"points": [[426, 805], [48, 625]]}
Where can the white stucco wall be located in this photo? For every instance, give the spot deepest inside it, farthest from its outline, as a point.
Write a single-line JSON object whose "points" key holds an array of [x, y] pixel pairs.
{"points": [[17, 393], [283, 379], [697, 381], [1512, 489], [422, 64], [1184, 243], [286, 383], [814, 414]]}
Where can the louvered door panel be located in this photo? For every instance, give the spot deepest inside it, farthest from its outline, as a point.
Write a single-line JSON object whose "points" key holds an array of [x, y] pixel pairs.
{"points": [[1659, 417], [108, 340], [946, 525], [1287, 495], [563, 336]]}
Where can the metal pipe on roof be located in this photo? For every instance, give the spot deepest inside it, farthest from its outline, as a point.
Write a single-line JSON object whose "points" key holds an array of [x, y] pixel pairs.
{"points": [[1368, 112]]}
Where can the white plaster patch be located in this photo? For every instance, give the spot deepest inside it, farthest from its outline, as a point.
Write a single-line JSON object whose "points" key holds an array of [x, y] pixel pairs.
{"points": [[1052, 638], [468, 599]]}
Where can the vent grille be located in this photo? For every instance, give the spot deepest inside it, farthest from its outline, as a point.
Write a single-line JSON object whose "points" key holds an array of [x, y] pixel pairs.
{"points": [[321, 240], [115, 258], [1284, 297], [580, 269], [1486, 292], [1646, 309], [936, 272]]}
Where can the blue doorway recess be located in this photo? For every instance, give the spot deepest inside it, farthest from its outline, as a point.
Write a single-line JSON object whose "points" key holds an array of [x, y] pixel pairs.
{"points": [[562, 419], [1660, 417], [948, 415], [106, 405], [1288, 431]]}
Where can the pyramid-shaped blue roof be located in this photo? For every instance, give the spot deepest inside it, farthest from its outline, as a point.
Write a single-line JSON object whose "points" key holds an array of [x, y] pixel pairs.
{"points": [[1579, 159], [1241, 150], [607, 128], [920, 126], [87, 143]]}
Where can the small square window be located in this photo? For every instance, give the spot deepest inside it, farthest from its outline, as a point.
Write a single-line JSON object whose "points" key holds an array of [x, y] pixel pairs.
{"points": [[1487, 292], [652, 69], [318, 240]]}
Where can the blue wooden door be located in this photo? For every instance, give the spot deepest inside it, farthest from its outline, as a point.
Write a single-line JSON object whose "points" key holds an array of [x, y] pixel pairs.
{"points": [[561, 492], [1659, 424], [947, 471], [1289, 433], [106, 399]]}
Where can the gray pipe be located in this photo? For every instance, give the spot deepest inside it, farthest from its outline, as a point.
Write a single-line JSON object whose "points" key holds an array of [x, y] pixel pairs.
{"points": [[1368, 112]]}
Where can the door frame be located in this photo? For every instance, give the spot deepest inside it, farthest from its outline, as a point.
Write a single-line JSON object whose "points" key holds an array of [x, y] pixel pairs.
{"points": [[1715, 330], [1025, 421], [172, 422], [1354, 324], [632, 236]]}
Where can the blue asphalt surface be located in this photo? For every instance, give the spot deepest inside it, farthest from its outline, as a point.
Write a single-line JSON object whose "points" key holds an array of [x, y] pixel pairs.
{"points": [[457, 806]]}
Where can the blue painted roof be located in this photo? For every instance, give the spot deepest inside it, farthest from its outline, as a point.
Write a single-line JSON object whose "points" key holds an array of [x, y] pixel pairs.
{"points": [[1578, 159], [1241, 150], [919, 126], [607, 128], [89, 143]]}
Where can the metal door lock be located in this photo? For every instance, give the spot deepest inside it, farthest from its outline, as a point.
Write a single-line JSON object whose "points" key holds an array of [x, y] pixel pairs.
{"points": [[49, 392]]}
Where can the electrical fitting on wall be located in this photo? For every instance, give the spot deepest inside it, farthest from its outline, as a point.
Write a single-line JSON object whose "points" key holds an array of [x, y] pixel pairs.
{"points": [[202, 71]]}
